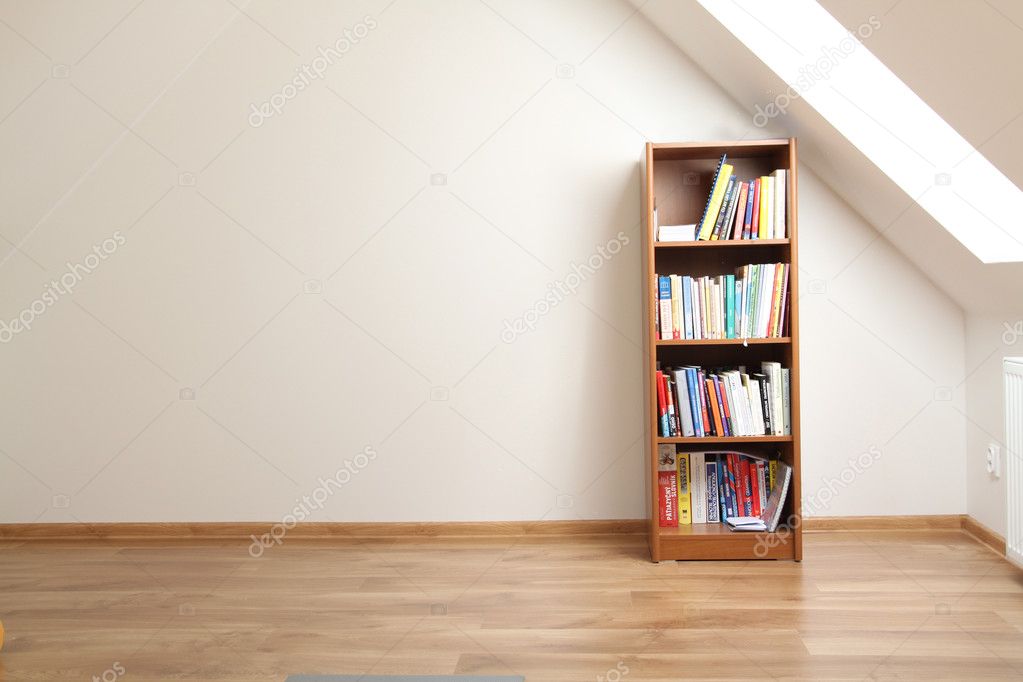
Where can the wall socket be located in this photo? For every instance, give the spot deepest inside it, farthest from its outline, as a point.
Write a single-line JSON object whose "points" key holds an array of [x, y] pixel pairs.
{"points": [[994, 460]]}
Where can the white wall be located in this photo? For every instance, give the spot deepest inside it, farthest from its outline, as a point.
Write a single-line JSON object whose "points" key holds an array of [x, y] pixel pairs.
{"points": [[289, 295], [989, 339]]}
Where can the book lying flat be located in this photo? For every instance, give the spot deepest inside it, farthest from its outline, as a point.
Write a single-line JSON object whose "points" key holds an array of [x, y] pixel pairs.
{"points": [[746, 523], [676, 233]]}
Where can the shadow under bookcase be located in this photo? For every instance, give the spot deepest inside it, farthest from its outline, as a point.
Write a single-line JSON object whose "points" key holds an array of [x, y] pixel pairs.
{"points": [[669, 174]]}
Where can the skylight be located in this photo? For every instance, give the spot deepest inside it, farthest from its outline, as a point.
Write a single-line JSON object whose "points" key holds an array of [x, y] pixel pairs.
{"points": [[858, 95]]}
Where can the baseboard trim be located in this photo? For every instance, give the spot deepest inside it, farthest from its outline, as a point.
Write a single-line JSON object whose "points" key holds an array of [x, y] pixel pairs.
{"points": [[983, 534], [245, 530], [929, 522]]}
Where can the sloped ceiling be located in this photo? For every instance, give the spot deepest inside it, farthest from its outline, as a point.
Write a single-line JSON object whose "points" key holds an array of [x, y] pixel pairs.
{"points": [[964, 59]]}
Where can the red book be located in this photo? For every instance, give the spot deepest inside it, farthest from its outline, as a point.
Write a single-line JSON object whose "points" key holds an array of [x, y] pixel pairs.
{"points": [[754, 471], [747, 486], [667, 494], [715, 409], [740, 213], [662, 405], [740, 489], [754, 228]]}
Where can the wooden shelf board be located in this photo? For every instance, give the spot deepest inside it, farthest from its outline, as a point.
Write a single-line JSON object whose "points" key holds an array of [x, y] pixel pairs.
{"points": [[726, 439], [714, 541], [724, 342], [721, 243]]}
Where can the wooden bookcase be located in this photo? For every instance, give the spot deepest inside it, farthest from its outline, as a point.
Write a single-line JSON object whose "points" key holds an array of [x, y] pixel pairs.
{"points": [[668, 180]]}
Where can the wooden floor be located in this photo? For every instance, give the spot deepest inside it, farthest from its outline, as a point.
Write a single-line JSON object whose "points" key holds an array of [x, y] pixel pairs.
{"points": [[902, 605]]}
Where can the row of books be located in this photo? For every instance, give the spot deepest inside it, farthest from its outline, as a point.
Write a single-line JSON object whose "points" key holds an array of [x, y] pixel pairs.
{"points": [[751, 303], [744, 209], [720, 487], [693, 402]]}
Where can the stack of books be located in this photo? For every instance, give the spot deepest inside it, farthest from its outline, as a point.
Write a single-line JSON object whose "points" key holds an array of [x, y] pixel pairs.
{"points": [[719, 487], [693, 402], [744, 209], [751, 303]]}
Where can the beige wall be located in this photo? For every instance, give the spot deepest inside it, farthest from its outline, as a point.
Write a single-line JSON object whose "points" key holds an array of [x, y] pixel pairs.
{"points": [[278, 298]]}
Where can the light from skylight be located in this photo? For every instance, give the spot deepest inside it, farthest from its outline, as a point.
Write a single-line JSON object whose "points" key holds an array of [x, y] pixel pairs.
{"points": [[884, 119]]}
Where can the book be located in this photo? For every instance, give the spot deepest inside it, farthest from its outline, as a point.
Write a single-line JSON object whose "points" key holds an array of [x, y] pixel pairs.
{"points": [[746, 523], [676, 233], [710, 211], [687, 305], [694, 401], [776, 501], [786, 400], [676, 303], [780, 196], [747, 222], [740, 211], [698, 487], [713, 499], [757, 200], [667, 486], [664, 305], [726, 205], [684, 480], [685, 406]]}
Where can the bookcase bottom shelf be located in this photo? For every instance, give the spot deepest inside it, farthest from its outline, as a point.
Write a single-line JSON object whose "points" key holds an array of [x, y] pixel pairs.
{"points": [[713, 541]]}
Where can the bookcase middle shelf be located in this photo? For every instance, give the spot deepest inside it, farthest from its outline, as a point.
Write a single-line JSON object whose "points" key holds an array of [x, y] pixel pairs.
{"points": [[724, 342], [690, 440]]}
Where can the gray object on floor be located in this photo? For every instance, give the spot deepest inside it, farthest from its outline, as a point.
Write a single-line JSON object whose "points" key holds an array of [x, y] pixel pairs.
{"points": [[399, 678]]}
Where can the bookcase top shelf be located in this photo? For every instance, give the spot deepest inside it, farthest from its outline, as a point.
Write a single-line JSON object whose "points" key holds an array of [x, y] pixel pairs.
{"points": [[724, 342], [721, 243]]}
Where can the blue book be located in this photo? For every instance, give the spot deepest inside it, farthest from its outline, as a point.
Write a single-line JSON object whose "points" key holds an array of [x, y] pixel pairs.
{"points": [[694, 403], [747, 223], [713, 508], [687, 305], [729, 486]]}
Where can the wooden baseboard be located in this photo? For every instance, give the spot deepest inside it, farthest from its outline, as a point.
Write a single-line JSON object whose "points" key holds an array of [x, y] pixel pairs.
{"points": [[245, 530], [930, 522], [983, 534]]}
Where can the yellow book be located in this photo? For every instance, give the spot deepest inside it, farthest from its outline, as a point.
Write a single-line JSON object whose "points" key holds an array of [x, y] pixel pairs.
{"points": [[685, 479], [764, 194], [716, 195], [676, 303]]}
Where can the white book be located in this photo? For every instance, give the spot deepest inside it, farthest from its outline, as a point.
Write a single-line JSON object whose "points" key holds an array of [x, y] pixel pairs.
{"points": [[694, 298], [786, 378], [684, 405], [756, 402], [676, 233], [698, 489], [773, 372], [778, 178], [742, 398], [746, 523]]}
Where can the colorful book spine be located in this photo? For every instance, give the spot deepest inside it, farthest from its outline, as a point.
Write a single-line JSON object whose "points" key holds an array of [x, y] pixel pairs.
{"points": [[664, 305], [685, 508], [662, 404], [747, 485], [730, 306], [747, 221], [710, 211], [676, 305], [726, 204], [722, 487], [713, 503], [694, 401], [754, 480], [755, 227], [667, 487]]}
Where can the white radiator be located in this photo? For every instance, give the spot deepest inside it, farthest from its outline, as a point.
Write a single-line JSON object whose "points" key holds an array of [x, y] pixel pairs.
{"points": [[1014, 458]]}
